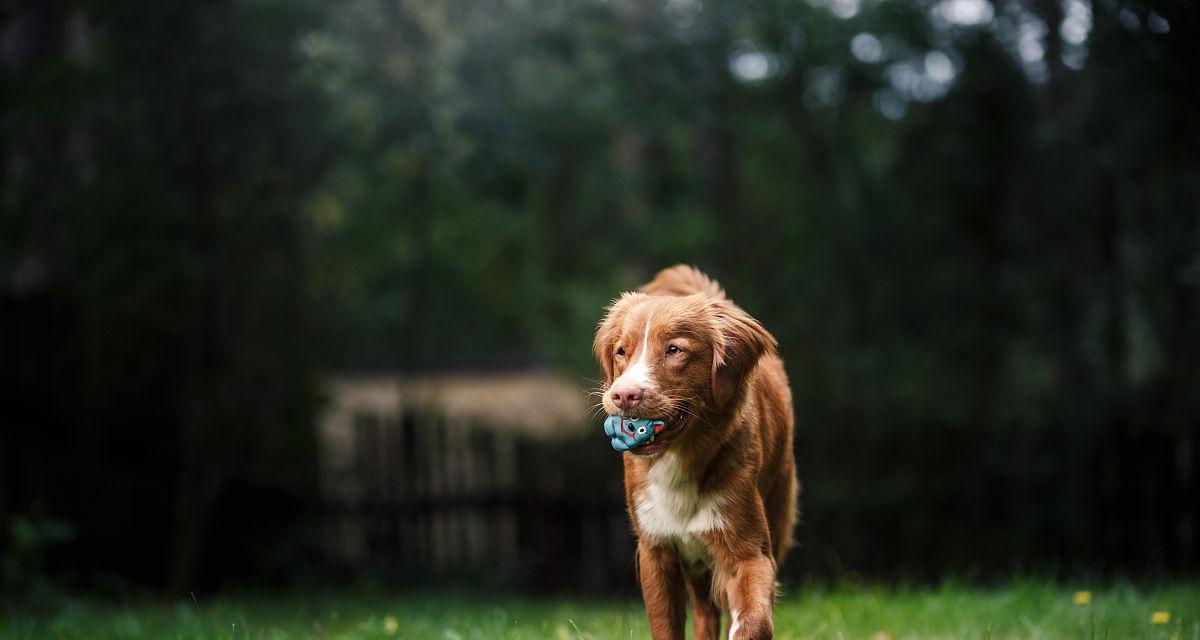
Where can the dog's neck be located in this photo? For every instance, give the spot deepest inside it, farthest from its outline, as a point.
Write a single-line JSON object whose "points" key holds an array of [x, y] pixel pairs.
{"points": [[716, 431]]}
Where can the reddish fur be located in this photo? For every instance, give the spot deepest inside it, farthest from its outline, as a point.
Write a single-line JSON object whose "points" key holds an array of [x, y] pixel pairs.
{"points": [[738, 445]]}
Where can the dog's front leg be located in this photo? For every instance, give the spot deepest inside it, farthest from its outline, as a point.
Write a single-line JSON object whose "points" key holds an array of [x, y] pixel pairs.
{"points": [[662, 589], [751, 593], [706, 616], [745, 575]]}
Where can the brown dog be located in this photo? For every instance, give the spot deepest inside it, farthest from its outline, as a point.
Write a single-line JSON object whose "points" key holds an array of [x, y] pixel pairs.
{"points": [[713, 498]]}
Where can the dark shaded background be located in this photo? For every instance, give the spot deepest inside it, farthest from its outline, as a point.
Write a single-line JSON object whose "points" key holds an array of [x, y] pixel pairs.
{"points": [[973, 227]]}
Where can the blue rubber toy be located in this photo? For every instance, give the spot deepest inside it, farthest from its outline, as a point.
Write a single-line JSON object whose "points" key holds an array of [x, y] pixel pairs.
{"points": [[630, 433]]}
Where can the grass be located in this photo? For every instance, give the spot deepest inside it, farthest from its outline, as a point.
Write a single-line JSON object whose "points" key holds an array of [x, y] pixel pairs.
{"points": [[1027, 611]]}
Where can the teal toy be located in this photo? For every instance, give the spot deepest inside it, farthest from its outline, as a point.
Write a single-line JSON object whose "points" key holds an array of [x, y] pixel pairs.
{"points": [[630, 433]]}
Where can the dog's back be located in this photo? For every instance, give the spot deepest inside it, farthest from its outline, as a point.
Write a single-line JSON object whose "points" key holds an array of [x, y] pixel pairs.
{"points": [[777, 481], [682, 280]]}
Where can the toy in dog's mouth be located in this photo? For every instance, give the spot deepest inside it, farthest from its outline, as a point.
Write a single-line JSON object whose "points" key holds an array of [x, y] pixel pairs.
{"points": [[643, 436]]}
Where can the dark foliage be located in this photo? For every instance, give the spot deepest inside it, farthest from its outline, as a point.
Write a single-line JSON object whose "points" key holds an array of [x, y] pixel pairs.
{"points": [[976, 236]]}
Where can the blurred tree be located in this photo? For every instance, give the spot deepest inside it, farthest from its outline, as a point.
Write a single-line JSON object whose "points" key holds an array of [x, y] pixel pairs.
{"points": [[165, 150], [971, 224]]}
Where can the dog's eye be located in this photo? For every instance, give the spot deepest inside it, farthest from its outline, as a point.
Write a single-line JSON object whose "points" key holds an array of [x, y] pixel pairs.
{"points": [[620, 351], [672, 349]]}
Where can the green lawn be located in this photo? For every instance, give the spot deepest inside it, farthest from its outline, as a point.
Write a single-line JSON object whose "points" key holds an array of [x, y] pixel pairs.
{"points": [[1025, 611]]}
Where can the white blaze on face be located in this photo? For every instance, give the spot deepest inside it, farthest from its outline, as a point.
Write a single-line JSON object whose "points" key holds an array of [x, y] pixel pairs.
{"points": [[639, 373]]}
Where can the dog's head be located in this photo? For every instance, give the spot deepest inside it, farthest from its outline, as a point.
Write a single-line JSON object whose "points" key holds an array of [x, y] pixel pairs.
{"points": [[672, 358]]}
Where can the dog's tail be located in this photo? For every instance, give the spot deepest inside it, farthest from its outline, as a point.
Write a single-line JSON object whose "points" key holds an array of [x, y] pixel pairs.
{"points": [[683, 280]]}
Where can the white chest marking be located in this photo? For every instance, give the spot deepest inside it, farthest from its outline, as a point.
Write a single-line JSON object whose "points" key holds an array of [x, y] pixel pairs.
{"points": [[733, 628], [671, 508]]}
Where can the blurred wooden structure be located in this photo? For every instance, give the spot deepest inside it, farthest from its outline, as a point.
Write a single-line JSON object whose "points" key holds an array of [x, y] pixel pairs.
{"points": [[494, 474]]}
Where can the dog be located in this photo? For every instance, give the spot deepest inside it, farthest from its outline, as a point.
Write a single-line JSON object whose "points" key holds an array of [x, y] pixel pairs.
{"points": [[713, 498]]}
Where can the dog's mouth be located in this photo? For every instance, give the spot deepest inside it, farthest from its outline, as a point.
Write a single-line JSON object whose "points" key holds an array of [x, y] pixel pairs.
{"points": [[661, 440]]}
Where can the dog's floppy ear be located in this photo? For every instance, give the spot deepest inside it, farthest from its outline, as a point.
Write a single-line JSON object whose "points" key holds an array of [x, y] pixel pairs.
{"points": [[609, 332], [738, 344], [606, 336]]}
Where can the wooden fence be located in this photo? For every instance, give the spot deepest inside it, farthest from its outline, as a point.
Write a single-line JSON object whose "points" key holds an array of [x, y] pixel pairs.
{"points": [[412, 496]]}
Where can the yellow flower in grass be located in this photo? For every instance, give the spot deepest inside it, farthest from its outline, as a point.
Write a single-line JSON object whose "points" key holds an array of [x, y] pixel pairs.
{"points": [[1082, 597], [390, 624], [1160, 617]]}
